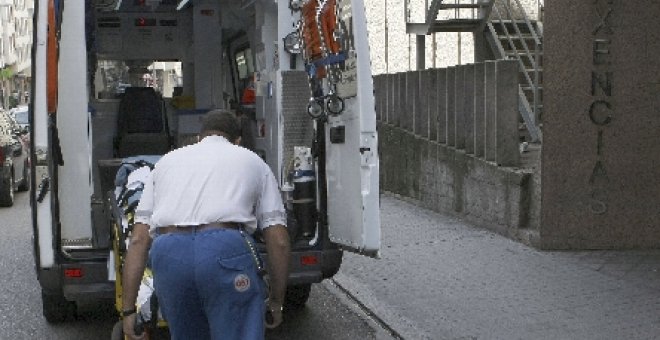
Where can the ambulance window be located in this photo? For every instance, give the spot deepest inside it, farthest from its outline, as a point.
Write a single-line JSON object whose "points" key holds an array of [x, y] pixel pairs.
{"points": [[112, 77], [244, 63]]}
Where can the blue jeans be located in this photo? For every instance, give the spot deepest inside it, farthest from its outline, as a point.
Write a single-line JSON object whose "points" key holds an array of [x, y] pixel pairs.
{"points": [[207, 285]]}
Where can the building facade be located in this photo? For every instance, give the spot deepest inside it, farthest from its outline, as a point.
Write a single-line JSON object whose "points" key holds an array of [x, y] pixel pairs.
{"points": [[15, 51], [393, 50]]}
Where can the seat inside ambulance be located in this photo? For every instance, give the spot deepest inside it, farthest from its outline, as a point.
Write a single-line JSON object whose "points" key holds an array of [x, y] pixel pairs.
{"points": [[142, 127]]}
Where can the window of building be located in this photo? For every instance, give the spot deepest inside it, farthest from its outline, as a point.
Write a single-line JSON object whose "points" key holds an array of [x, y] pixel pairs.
{"points": [[244, 63]]}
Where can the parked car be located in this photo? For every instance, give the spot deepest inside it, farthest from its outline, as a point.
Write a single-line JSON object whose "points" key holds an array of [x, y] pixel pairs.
{"points": [[21, 115], [14, 159]]}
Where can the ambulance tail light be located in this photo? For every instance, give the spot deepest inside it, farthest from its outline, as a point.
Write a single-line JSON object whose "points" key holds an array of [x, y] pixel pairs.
{"points": [[309, 260], [73, 273]]}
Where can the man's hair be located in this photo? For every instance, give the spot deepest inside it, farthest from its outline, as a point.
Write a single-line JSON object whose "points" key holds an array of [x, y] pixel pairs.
{"points": [[222, 122]]}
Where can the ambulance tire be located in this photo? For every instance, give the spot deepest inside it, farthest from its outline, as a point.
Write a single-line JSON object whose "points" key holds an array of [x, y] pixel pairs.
{"points": [[296, 296], [56, 309], [117, 331]]}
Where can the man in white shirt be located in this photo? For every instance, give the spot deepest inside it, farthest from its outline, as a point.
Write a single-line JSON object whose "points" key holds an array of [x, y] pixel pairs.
{"points": [[196, 205]]}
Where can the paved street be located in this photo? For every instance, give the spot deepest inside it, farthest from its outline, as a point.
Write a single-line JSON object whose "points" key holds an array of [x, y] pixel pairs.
{"points": [[440, 278], [327, 316]]}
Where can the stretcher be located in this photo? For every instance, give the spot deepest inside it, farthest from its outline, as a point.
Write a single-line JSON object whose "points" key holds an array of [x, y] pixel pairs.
{"points": [[129, 182]]}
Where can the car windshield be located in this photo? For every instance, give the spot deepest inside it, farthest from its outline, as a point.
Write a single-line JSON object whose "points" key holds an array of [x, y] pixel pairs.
{"points": [[21, 117]]}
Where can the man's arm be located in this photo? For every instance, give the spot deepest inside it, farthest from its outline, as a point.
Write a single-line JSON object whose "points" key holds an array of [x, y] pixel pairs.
{"points": [[134, 263], [278, 247]]}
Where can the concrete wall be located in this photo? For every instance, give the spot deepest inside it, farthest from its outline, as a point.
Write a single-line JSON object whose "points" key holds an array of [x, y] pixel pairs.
{"points": [[445, 141], [448, 180]]}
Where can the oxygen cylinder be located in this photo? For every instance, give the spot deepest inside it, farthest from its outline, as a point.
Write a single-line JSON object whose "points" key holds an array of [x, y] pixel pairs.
{"points": [[304, 190]]}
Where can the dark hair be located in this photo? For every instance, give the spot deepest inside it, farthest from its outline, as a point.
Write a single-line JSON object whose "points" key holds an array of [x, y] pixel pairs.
{"points": [[222, 122]]}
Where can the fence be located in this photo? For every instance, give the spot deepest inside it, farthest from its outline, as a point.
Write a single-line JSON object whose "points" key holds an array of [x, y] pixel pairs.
{"points": [[470, 107]]}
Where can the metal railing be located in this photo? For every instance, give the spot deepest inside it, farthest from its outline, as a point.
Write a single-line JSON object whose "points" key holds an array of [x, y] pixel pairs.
{"points": [[503, 13], [427, 11], [473, 107]]}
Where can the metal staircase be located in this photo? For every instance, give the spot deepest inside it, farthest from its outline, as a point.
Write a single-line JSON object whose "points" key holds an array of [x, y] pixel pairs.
{"points": [[425, 17], [512, 35], [508, 30]]}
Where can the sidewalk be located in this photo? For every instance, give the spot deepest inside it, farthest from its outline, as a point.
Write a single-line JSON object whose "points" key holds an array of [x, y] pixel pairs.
{"points": [[441, 278]]}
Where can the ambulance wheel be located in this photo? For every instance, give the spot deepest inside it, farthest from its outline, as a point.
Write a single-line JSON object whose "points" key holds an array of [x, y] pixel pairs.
{"points": [[56, 309], [296, 296], [117, 331]]}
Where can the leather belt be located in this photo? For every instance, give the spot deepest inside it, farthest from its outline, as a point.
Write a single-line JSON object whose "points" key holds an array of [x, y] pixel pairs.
{"points": [[186, 229]]}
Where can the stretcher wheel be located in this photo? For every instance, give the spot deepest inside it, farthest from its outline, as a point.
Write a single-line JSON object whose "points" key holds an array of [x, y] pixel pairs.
{"points": [[296, 296], [117, 331]]}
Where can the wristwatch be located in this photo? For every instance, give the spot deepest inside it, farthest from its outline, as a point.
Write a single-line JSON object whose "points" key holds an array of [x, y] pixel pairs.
{"points": [[126, 312], [270, 307]]}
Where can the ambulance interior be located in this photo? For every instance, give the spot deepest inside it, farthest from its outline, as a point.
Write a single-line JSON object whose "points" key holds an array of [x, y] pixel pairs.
{"points": [[155, 67]]}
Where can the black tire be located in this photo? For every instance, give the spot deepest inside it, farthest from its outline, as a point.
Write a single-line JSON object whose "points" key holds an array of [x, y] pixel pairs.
{"points": [[7, 192], [56, 309], [296, 296], [25, 183], [117, 331]]}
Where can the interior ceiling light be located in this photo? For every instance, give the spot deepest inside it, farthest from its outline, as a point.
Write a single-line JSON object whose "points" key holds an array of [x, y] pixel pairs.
{"points": [[181, 4]]}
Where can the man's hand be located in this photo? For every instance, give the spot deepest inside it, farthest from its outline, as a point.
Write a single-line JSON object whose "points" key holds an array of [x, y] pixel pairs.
{"points": [[278, 247], [273, 314], [134, 263], [129, 327]]}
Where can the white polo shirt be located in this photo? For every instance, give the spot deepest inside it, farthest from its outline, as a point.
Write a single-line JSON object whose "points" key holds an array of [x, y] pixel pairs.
{"points": [[211, 181]]}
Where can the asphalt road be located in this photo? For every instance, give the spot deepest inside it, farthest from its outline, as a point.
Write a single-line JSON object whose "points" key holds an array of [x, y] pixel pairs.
{"points": [[328, 315]]}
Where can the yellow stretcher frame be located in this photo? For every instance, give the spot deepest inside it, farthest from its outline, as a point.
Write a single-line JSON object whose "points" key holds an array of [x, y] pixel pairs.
{"points": [[119, 256]]}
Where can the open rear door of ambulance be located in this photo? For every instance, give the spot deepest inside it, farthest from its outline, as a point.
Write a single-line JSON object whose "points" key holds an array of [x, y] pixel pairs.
{"points": [[352, 144]]}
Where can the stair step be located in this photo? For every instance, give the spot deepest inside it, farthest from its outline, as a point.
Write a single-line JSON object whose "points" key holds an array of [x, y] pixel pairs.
{"points": [[507, 21], [450, 25], [531, 70], [522, 54], [501, 26], [456, 25], [529, 88], [513, 35], [454, 6]]}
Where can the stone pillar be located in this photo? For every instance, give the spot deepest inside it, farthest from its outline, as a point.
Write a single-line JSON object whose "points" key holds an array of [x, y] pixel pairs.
{"points": [[432, 103], [479, 109], [425, 95], [468, 107], [451, 106], [413, 101], [395, 113], [379, 90], [459, 107], [506, 73], [490, 89], [407, 101], [441, 104], [601, 138]]}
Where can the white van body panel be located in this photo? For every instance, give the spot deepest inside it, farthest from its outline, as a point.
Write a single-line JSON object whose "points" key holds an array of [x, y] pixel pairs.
{"points": [[352, 166], [75, 182], [40, 137]]}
